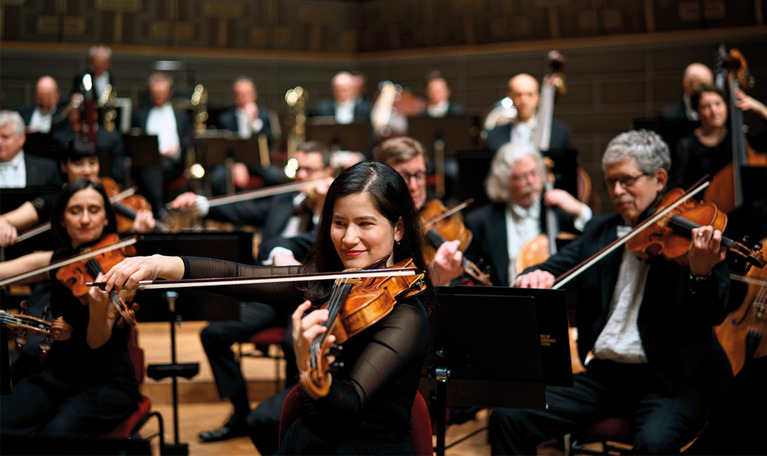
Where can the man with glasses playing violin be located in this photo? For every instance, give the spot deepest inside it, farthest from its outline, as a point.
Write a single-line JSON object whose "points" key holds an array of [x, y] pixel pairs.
{"points": [[644, 325]]}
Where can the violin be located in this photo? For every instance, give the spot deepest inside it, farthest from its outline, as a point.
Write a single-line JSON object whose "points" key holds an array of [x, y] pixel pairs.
{"points": [[670, 236], [668, 233], [726, 189], [127, 207], [355, 304], [78, 274], [23, 324], [742, 333], [440, 227]]}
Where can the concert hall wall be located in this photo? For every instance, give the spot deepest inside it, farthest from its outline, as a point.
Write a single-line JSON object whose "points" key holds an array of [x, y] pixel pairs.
{"points": [[625, 58]]}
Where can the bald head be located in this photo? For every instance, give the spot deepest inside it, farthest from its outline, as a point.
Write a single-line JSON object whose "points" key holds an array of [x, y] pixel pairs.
{"points": [[47, 93], [344, 86], [523, 91], [696, 75]]}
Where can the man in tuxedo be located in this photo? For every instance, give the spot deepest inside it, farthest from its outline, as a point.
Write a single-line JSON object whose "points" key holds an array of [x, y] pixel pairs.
{"points": [[517, 211], [17, 169], [524, 93], [99, 63], [246, 119], [44, 116], [174, 133], [438, 102], [347, 105], [644, 322], [696, 75]]}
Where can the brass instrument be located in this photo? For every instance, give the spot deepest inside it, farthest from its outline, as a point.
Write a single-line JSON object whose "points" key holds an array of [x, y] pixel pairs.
{"points": [[296, 99], [199, 102], [107, 103]]}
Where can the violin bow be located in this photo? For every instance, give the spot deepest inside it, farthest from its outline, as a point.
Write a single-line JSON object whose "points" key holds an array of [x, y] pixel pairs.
{"points": [[215, 282], [571, 274], [83, 256], [258, 193]]}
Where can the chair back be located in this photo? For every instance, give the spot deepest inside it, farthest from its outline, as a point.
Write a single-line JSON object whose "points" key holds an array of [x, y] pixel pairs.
{"points": [[419, 438]]}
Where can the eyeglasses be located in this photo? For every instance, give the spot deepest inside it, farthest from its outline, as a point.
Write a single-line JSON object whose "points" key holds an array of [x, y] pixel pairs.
{"points": [[308, 170], [624, 181], [420, 177], [528, 176]]}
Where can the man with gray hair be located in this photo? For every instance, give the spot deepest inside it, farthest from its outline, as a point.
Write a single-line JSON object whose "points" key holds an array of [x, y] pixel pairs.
{"points": [[517, 212], [17, 169], [644, 325], [99, 63]]}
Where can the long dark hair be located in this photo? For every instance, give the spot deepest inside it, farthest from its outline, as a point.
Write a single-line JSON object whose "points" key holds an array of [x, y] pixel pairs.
{"points": [[392, 199], [61, 205]]}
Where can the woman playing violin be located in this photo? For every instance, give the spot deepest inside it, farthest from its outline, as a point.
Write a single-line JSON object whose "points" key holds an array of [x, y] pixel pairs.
{"points": [[79, 160], [645, 325], [368, 216], [87, 385]]}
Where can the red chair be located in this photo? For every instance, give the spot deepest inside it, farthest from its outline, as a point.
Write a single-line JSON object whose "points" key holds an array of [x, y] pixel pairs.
{"points": [[614, 435], [419, 438], [262, 340], [130, 427]]}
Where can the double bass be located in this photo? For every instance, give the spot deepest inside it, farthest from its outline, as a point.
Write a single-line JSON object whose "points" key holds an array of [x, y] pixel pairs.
{"points": [[726, 189]]}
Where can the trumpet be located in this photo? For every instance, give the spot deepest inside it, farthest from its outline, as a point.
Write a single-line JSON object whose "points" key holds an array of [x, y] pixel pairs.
{"points": [[199, 102], [296, 100]]}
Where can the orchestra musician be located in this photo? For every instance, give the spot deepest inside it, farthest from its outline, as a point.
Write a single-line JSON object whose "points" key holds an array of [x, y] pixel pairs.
{"points": [[367, 216], [44, 116], [709, 148], [347, 104], [438, 93], [645, 325], [247, 119], [696, 75], [516, 213], [99, 63], [17, 168], [284, 215], [524, 93], [87, 385], [174, 133]]}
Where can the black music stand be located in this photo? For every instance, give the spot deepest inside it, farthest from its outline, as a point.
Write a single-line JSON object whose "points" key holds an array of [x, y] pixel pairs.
{"points": [[143, 150], [442, 138], [495, 347], [355, 136], [195, 304], [216, 150], [43, 145]]}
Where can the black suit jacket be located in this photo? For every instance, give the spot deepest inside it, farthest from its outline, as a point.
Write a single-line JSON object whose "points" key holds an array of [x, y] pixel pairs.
{"points": [[498, 136], [328, 108], [453, 110], [674, 111], [675, 317], [228, 121], [77, 81], [58, 123], [489, 242], [271, 215], [183, 124], [41, 171]]}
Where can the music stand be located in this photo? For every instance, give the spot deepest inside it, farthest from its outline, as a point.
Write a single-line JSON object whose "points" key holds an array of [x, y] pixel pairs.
{"points": [[495, 347], [143, 150], [190, 304], [355, 136], [217, 149], [43, 145]]}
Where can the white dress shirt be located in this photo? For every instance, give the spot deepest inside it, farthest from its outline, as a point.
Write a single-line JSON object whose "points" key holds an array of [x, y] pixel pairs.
{"points": [[40, 121], [247, 127], [438, 110], [619, 340], [100, 84], [162, 122], [522, 132], [345, 112], [522, 224], [13, 173]]}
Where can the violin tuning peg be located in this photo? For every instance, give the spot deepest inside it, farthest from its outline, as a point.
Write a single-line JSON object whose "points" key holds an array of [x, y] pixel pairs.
{"points": [[46, 312], [21, 339], [45, 345], [336, 350], [24, 307]]}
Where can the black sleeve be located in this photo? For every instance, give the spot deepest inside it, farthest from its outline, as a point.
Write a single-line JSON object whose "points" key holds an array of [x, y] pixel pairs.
{"points": [[268, 293], [396, 341], [245, 213]]}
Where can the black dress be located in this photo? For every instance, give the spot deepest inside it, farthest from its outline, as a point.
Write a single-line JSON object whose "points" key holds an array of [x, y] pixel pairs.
{"points": [[81, 392], [693, 160], [368, 408]]}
